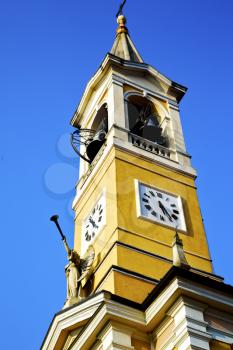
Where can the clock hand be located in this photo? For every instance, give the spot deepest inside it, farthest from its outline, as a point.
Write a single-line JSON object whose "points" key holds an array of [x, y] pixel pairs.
{"points": [[164, 210], [93, 222], [162, 207]]}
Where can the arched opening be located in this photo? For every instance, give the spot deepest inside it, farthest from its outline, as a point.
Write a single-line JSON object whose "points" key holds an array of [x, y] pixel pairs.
{"points": [[144, 120], [87, 142], [100, 130], [101, 119]]}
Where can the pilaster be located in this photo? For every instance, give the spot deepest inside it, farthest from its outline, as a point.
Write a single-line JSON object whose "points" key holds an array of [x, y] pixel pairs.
{"points": [[190, 328], [116, 112], [116, 337]]}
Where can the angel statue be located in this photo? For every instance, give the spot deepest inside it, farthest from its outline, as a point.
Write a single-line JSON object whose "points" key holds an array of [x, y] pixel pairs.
{"points": [[78, 270]]}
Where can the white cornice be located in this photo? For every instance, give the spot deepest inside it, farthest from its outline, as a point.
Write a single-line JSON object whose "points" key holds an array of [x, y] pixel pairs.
{"points": [[78, 314], [221, 335], [111, 60], [99, 309], [206, 293], [108, 310]]}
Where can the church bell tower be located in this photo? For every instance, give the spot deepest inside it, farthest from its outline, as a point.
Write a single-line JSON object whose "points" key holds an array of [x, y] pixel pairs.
{"points": [[151, 284]]}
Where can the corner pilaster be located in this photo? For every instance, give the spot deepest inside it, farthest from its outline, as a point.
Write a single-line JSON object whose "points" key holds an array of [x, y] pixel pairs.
{"points": [[116, 337], [190, 328], [116, 109]]}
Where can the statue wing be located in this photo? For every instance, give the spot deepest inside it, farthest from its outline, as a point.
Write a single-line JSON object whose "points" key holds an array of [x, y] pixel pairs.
{"points": [[86, 265]]}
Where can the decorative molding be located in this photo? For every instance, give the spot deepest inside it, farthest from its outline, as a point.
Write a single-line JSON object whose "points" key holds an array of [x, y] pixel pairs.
{"points": [[163, 162], [110, 60], [205, 293], [217, 334], [187, 312], [78, 313]]}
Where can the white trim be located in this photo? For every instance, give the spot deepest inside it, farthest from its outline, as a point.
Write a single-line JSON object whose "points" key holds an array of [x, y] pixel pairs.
{"points": [[150, 97], [112, 309], [97, 108], [147, 92], [108, 60], [68, 317], [206, 293], [217, 334], [187, 313], [102, 92]]}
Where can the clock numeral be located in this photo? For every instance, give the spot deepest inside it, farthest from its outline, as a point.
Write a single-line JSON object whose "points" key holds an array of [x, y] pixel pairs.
{"points": [[93, 212], [101, 211], [148, 207], [146, 195], [152, 193], [175, 217], [176, 211], [154, 213], [88, 237], [93, 234], [145, 200], [162, 218], [100, 218], [173, 205], [167, 199], [159, 195]]}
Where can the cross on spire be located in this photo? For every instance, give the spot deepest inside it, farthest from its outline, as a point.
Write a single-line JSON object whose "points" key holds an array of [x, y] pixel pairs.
{"points": [[120, 11]]}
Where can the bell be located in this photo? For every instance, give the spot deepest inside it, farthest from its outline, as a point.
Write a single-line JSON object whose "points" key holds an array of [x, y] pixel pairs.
{"points": [[94, 146], [151, 130]]}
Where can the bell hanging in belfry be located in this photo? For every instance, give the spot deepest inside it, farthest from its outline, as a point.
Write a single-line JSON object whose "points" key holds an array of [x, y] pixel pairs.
{"points": [[151, 130], [94, 146]]}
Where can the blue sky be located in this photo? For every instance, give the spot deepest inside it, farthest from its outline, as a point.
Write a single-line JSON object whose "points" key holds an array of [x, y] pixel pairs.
{"points": [[49, 50]]}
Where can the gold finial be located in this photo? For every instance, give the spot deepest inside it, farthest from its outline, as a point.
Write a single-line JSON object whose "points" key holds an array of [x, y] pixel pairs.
{"points": [[121, 20]]}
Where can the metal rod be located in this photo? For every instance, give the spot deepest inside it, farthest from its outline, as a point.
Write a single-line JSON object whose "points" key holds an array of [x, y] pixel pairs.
{"points": [[55, 218], [120, 12]]}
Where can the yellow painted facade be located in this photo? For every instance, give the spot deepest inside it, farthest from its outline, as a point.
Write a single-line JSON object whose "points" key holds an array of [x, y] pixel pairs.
{"points": [[129, 242], [190, 307], [133, 253]]}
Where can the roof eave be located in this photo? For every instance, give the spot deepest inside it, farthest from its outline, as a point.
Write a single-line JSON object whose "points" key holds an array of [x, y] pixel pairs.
{"points": [[110, 59]]}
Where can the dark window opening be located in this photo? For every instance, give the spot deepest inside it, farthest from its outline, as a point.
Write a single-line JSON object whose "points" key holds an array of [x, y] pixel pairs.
{"points": [[100, 128], [144, 120]]}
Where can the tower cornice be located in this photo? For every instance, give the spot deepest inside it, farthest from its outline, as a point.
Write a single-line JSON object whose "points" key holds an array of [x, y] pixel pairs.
{"points": [[112, 61], [178, 289]]}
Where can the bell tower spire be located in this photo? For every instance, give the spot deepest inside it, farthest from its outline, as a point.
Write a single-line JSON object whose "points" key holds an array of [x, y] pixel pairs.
{"points": [[123, 46]]}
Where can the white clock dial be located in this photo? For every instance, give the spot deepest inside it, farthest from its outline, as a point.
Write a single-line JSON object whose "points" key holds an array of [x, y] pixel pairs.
{"points": [[93, 223], [161, 207]]}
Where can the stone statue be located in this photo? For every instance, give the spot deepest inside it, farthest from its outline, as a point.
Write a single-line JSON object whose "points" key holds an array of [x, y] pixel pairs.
{"points": [[72, 275], [78, 270]]}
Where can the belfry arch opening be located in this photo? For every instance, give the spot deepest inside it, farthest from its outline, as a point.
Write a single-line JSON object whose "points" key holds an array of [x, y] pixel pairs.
{"points": [[100, 129], [87, 142], [145, 121], [101, 119]]}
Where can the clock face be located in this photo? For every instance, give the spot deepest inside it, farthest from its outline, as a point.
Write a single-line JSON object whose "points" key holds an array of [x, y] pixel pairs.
{"points": [[161, 207], [93, 223]]}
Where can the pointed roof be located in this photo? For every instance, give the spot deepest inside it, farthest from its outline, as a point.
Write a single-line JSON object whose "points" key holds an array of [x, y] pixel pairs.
{"points": [[123, 46]]}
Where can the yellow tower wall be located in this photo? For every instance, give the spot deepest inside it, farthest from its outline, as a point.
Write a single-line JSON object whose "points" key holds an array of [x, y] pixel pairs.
{"points": [[129, 243], [147, 235]]}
